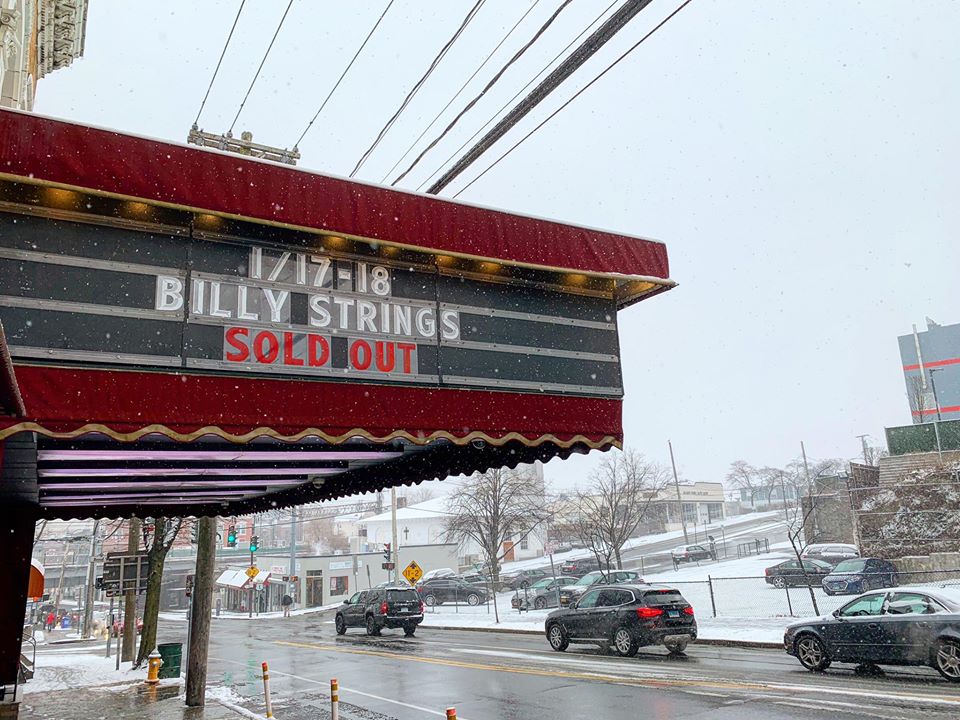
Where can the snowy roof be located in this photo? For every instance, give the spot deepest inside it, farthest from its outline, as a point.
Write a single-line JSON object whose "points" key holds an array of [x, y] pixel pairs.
{"points": [[434, 508], [237, 578]]}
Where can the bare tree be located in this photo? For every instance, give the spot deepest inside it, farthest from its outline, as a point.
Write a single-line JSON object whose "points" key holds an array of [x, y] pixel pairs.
{"points": [[744, 476], [419, 493], [917, 395], [494, 509], [159, 534], [621, 492]]}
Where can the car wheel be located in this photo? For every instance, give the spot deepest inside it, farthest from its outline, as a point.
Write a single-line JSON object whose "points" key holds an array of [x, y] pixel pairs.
{"points": [[429, 600], [372, 628], [409, 630], [540, 603], [473, 599], [340, 624], [947, 659], [625, 643], [557, 637], [812, 653], [779, 582], [675, 648]]}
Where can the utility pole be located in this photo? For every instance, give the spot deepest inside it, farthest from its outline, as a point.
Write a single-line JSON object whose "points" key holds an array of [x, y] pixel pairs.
{"points": [[806, 468], [91, 573], [393, 524], [200, 606], [63, 571], [936, 425], [863, 445], [293, 553], [676, 484], [130, 598], [783, 494]]}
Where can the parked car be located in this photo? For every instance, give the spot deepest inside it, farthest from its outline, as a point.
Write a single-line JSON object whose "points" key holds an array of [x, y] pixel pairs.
{"points": [[580, 566], [789, 573], [388, 607], [437, 573], [906, 626], [542, 594], [451, 589], [830, 553], [118, 626], [852, 577], [625, 617], [570, 593], [692, 553], [521, 578], [474, 578]]}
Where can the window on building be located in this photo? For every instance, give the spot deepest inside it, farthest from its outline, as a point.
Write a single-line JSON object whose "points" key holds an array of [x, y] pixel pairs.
{"points": [[339, 585], [525, 542], [714, 512], [690, 512]]}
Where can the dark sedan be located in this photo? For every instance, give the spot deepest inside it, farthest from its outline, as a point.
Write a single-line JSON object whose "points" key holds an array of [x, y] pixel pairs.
{"points": [[852, 577], [580, 566], [521, 578], [440, 590], [907, 626], [542, 594], [789, 573], [625, 617]]}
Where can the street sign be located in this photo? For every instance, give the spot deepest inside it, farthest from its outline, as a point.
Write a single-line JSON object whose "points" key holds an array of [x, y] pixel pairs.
{"points": [[388, 565], [413, 572], [252, 571], [125, 572]]}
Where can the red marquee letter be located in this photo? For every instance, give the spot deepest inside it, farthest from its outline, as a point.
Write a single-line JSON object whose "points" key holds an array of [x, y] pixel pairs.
{"points": [[242, 351], [273, 347], [314, 342], [407, 350], [355, 359], [386, 360], [288, 357]]}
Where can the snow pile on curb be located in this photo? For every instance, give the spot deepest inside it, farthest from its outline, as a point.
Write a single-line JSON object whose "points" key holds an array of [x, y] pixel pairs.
{"points": [[77, 667]]}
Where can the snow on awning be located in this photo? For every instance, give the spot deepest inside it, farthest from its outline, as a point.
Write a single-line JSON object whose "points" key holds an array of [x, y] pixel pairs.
{"points": [[238, 579]]}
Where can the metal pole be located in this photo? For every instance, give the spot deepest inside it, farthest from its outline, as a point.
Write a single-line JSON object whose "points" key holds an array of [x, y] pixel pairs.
{"points": [[783, 494], [110, 628], [936, 424], [863, 445], [713, 602], [393, 525], [91, 572], [806, 468], [293, 553], [130, 597], [676, 484]]}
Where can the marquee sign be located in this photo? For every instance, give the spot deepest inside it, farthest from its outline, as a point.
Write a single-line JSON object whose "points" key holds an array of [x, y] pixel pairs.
{"points": [[104, 295]]}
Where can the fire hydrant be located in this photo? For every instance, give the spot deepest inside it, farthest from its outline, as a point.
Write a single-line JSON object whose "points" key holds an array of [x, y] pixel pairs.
{"points": [[153, 668]]}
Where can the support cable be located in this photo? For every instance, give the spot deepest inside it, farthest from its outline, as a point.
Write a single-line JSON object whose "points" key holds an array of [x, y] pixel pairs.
{"points": [[343, 74], [580, 55], [576, 95], [217, 69], [257, 75], [416, 88], [516, 95], [457, 94]]}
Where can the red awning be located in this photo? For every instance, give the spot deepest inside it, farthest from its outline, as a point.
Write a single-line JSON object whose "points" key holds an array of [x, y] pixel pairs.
{"points": [[37, 149]]}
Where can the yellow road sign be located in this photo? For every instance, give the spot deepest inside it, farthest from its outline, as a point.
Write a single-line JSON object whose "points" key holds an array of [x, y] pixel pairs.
{"points": [[252, 571], [413, 572]]}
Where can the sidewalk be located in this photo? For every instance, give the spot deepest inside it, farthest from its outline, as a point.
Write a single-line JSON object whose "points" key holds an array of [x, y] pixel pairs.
{"points": [[117, 702]]}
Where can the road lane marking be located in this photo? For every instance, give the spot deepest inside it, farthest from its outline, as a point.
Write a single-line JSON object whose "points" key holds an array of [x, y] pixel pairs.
{"points": [[649, 682], [273, 670]]}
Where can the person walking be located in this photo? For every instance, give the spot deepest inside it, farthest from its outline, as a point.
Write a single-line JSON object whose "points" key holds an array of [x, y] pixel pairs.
{"points": [[287, 603], [51, 621]]}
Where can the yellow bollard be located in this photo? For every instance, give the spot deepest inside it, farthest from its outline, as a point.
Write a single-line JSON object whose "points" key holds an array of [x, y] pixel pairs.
{"points": [[266, 690], [153, 668], [451, 714], [334, 700]]}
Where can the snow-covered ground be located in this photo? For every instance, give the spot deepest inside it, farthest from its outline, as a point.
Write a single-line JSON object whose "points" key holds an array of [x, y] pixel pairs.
{"points": [[76, 666], [181, 615]]}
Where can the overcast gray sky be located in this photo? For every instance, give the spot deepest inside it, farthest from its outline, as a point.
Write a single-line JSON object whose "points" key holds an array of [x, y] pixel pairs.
{"points": [[800, 160]]}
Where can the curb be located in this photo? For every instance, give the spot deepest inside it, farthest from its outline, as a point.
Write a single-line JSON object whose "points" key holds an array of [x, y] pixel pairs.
{"points": [[749, 644]]}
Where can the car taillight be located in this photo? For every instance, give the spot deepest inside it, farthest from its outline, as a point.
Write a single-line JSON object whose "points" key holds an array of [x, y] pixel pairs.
{"points": [[648, 613], [421, 607], [767, 571], [688, 610], [383, 608]]}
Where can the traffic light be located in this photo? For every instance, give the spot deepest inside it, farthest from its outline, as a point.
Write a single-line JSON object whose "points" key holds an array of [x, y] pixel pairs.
{"points": [[232, 536], [254, 543], [386, 552]]}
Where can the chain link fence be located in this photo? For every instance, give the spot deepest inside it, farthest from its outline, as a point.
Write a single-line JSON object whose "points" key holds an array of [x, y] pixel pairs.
{"points": [[746, 597]]}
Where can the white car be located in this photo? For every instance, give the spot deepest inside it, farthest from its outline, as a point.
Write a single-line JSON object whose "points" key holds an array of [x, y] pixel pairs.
{"points": [[438, 573], [830, 553]]}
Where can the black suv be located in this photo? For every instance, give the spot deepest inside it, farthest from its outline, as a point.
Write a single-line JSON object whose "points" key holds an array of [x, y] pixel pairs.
{"points": [[625, 617], [450, 589], [383, 607]]}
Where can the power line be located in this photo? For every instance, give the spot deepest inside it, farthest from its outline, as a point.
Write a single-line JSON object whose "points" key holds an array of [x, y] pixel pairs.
{"points": [[575, 96], [571, 64], [457, 94], [516, 95], [257, 75], [217, 69], [420, 82], [343, 74], [493, 81]]}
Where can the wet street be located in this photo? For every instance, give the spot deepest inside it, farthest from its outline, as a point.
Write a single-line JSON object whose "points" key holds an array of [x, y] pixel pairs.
{"points": [[502, 675]]}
